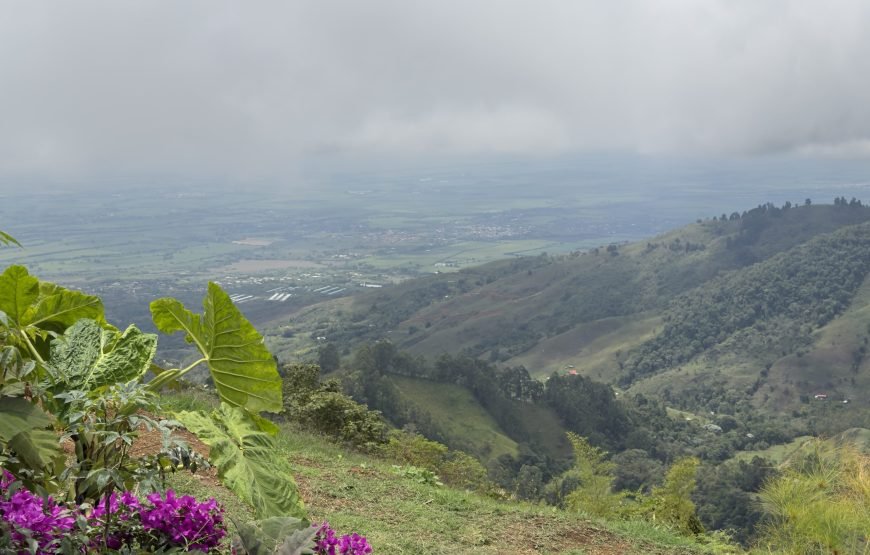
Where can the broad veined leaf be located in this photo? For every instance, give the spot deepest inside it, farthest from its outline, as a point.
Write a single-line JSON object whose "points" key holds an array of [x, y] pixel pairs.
{"points": [[299, 542], [17, 415], [247, 460], [58, 308], [18, 292], [267, 536], [90, 357], [243, 370], [34, 308], [39, 449], [22, 429]]}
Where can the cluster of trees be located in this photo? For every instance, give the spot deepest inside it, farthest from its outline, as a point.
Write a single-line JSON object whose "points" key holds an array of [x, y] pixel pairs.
{"points": [[843, 203], [322, 407], [642, 439], [808, 285]]}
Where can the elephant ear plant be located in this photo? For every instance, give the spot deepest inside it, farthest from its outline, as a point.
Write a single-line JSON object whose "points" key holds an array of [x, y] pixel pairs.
{"points": [[68, 376], [246, 379], [33, 314]]}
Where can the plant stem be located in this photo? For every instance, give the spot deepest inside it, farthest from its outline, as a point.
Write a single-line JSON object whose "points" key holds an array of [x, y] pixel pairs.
{"points": [[32, 348], [169, 376]]}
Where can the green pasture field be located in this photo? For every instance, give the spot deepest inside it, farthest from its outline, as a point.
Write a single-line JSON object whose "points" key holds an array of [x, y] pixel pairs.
{"points": [[465, 254], [590, 348]]}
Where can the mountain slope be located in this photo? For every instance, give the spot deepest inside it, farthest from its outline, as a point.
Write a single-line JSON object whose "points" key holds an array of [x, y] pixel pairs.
{"points": [[744, 303]]}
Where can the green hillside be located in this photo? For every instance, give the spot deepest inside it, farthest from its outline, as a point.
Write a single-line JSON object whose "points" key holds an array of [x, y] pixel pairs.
{"points": [[757, 324], [464, 422], [855, 437], [770, 302]]}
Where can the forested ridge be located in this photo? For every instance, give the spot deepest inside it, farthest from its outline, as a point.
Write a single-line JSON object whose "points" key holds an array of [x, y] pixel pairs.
{"points": [[802, 289]]}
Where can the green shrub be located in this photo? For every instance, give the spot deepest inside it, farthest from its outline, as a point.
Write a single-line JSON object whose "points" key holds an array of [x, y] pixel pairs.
{"points": [[595, 477], [456, 468], [462, 470], [323, 408], [672, 501], [415, 450]]}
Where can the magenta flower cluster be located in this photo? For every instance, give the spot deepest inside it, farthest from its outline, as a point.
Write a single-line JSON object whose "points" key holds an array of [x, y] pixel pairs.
{"points": [[198, 526], [157, 522], [32, 518], [327, 543]]}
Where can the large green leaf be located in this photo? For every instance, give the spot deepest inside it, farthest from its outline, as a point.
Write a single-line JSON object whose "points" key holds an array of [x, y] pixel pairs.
{"points": [[34, 307], [243, 370], [247, 460], [17, 415], [59, 308], [279, 534], [22, 429], [39, 449], [18, 292], [90, 357]]}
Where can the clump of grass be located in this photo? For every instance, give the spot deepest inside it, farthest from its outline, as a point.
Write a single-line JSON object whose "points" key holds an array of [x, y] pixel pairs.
{"points": [[820, 503]]}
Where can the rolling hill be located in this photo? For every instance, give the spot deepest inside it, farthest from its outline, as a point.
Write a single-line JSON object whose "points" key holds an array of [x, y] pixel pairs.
{"points": [[727, 340], [769, 307]]}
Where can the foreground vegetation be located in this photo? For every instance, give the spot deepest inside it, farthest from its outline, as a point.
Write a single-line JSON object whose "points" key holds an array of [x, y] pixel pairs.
{"points": [[70, 378]]}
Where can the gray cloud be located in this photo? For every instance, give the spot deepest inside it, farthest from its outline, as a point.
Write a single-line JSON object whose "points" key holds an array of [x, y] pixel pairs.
{"points": [[254, 88]]}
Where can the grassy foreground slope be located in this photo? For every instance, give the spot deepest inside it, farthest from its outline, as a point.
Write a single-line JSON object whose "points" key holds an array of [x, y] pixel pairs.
{"points": [[402, 516]]}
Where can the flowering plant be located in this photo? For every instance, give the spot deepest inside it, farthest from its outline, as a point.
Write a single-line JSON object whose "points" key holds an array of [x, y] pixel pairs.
{"points": [[158, 523], [28, 521], [293, 535], [327, 543]]}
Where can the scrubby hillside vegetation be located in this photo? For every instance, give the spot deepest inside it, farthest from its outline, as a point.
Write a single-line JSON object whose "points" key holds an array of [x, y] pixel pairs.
{"points": [[750, 302], [717, 341]]}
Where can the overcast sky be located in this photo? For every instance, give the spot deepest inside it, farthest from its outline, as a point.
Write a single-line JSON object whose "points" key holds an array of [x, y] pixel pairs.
{"points": [[256, 88]]}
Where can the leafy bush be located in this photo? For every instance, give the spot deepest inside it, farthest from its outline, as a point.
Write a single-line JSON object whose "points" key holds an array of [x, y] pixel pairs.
{"points": [[464, 471], [595, 478], [454, 467], [415, 450], [672, 501], [417, 474], [323, 408]]}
